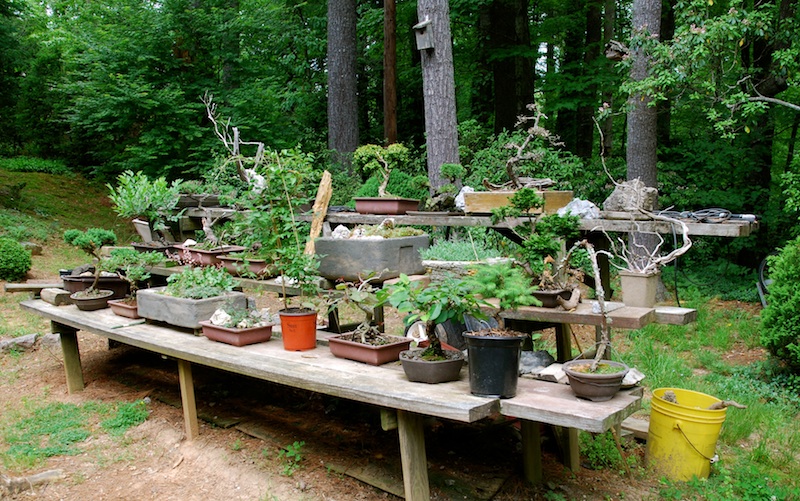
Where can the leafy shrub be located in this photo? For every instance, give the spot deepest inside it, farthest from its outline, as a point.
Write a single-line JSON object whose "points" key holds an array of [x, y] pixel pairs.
{"points": [[32, 164], [780, 329], [15, 260], [199, 283], [400, 184]]}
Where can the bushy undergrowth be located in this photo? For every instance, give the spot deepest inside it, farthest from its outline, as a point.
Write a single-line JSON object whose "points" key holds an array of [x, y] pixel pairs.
{"points": [[780, 326], [15, 260], [32, 164], [459, 250]]}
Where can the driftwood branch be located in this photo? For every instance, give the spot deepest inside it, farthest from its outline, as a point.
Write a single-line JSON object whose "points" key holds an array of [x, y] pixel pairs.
{"points": [[14, 485]]}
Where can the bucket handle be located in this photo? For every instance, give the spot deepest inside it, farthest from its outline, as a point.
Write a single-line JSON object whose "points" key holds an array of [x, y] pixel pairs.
{"points": [[711, 460]]}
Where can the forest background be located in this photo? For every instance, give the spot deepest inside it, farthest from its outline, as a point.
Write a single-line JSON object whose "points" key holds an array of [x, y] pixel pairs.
{"points": [[108, 86]]}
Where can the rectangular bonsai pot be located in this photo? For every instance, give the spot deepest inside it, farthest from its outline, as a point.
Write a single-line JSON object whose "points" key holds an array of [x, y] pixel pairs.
{"points": [[184, 312], [237, 337], [350, 258], [342, 347], [385, 205], [482, 202]]}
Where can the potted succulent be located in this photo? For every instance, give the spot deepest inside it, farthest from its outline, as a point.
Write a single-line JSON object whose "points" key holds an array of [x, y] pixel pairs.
{"points": [[494, 352], [434, 304], [372, 159], [367, 343], [239, 326], [132, 266], [150, 203], [190, 296], [90, 242]]}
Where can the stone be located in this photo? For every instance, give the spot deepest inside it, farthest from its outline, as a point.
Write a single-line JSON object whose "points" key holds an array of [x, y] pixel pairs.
{"points": [[630, 196], [36, 249], [21, 343]]}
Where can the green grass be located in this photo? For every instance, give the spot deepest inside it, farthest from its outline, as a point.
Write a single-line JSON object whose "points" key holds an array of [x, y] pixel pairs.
{"points": [[59, 429], [33, 164]]}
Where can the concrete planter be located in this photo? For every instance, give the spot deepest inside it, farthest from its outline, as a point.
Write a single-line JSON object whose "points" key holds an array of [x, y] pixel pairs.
{"points": [[350, 258], [184, 312], [639, 289]]}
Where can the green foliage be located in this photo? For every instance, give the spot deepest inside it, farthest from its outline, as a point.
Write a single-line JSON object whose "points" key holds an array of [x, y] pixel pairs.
{"points": [[200, 282], [128, 415], [459, 250], [435, 303], [133, 264], [600, 451], [780, 332], [291, 458], [15, 260], [136, 195], [505, 282], [34, 164], [389, 231], [400, 184], [300, 269], [91, 240]]}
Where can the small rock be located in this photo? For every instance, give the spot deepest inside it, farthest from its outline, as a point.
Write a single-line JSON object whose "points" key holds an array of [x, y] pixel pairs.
{"points": [[533, 361], [50, 339], [36, 249], [24, 343]]}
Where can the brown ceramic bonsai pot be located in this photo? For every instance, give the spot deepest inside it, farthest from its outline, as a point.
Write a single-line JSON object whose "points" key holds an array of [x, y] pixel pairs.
{"points": [[236, 337], [344, 346], [385, 205], [595, 386], [432, 371]]}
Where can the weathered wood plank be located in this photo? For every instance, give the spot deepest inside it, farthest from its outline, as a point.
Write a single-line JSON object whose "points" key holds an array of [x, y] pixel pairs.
{"points": [[556, 404], [620, 316], [31, 287], [411, 431], [188, 402], [639, 427], [72, 355]]}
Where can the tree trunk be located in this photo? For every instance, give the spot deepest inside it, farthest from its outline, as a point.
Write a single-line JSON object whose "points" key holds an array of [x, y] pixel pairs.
{"points": [[342, 90], [390, 71], [584, 140], [607, 127], [512, 74], [438, 86]]}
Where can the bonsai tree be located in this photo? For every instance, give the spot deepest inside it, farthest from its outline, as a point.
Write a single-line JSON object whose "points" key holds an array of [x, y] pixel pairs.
{"points": [[508, 284], [133, 266], [137, 196], [298, 269], [364, 296], [372, 159], [434, 304], [90, 242], [445, 198], [541, 240]]}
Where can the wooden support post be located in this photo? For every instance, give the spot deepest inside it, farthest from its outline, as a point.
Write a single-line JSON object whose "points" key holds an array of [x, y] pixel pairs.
{"points": [[570, 448], [72, 355], [412, 456], [563, 342], [388, 419], [531, 451], [187, 399]]}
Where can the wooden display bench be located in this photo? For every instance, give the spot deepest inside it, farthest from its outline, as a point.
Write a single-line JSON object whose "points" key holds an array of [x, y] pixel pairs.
{"points": [[386, 387]]}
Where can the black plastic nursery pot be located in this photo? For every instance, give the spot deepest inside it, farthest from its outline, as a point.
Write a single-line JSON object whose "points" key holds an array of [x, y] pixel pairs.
{"points": [[493, 363]]}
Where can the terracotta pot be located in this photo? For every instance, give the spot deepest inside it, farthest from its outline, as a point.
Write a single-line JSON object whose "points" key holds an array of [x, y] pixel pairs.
{"points": [[343, 347], [237, 337], [124, 309], [432, 372], [385, 205], [202, 257], [593, 386], [298, 329], [92, 302]]}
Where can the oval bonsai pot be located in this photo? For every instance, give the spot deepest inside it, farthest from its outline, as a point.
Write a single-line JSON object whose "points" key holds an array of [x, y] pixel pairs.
{"points": [[93, 302], [593, 386], [118, 286], [431, 371]]}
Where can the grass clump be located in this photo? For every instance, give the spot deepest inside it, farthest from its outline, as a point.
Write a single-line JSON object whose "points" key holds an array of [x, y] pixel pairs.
{"points": [[32, 164], [459, 250]]}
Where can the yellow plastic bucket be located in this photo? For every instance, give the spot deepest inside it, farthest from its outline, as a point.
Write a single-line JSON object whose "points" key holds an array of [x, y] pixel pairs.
{"points": [[683, 436]]}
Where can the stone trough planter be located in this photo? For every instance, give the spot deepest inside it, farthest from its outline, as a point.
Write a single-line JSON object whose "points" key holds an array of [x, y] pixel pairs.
{"points": [[350, 258], [184, 312]]}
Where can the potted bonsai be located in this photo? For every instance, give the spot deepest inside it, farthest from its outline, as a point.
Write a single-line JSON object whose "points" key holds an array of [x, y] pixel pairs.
{"points": [[367, 343], [434, 304], [598, 379], [298, 322], [132, 266], [239, 326], [540, 242], [372, 159], [90, 242], [494, 352], [190, 296], [149, 203]]}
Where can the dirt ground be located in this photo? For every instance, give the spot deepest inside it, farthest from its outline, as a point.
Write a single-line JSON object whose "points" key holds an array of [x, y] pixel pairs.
{"points": [[246, 423]]}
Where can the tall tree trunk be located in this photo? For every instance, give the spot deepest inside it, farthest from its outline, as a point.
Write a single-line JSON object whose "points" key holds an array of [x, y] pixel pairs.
{"points": [[390, 71], [642, 137], [607, 127], [584, 141], [664, 108], [512, 74], [439, 90], [641, 153], [570, 70], [342, 90]]}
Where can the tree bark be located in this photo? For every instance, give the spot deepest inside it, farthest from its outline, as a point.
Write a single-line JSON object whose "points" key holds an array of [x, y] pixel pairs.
{"points": [[390, 71], [438, 86], [607, 127], [342, 90]]}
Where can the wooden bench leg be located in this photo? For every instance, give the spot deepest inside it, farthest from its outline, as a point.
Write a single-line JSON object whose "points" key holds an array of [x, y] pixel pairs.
{"points": [[531, 451], [72, 355], [187, 399], [570, 447], [563, 342], [412, 455]]}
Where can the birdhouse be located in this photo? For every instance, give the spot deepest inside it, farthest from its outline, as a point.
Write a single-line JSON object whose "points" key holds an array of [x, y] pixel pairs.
{"points": [[424, 34]]}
